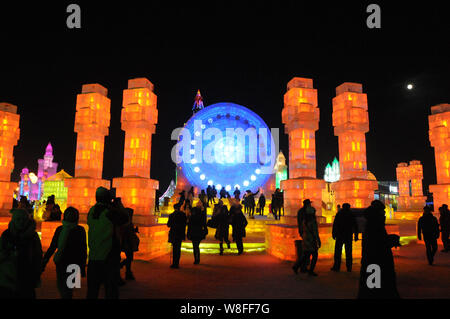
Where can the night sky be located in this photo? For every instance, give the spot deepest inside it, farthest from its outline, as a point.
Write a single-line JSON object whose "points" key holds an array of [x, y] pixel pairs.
{"points": [[243, 53]]}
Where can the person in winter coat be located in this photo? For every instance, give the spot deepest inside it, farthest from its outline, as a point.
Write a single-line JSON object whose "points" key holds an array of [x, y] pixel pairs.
{"points": [[130, 244], [203, 198], [250, 199], [444, 222], [277, 203], [343, 231], [310, 240], [238, 223], [222, 230], [214, 193], [69, 242], [177, 233], [197, 229], [261, 204], [20, 257], [182, 197], [237, 194], [429, 227], [300, 216], [376, 250], [55, 213], [104, 244]]}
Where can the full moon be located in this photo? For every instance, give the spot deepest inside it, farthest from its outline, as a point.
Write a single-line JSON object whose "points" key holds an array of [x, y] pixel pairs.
{"points": [[409, 86]]}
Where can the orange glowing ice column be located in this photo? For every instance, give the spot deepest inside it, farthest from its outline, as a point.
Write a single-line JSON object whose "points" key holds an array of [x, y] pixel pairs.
{"points": [[300, 116], [402, 171], [439, 133], [139, 118], [417, 200], [9, 135], [351, 122], [91, 125]]}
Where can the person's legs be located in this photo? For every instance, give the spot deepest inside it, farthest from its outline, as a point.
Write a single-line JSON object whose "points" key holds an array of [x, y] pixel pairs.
{"points": [[128, 273], [304, 261], [428, 248], [176, 249], [61, 282], [95, 278], [239, 245], [196, 247], [112, 275], [337, 254], [445, 240], [221, 247], [434, 247], [348, 254], [298, 247], [314, 255]]}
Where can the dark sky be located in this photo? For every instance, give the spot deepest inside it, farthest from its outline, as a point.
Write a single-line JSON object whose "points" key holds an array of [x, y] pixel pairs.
{"points": [[243, 52]]}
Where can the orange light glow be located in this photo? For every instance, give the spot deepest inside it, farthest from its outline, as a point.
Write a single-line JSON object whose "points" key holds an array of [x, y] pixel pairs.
{"points": [[9, 135], [351, 123], [300, 116], [439, 134], [139, 118], [91, 125]]}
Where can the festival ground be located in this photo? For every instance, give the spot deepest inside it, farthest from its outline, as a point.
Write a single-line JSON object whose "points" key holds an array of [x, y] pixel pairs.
{"points": [[258, 275]]}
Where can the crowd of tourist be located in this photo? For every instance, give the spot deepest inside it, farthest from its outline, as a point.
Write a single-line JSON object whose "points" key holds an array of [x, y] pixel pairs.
{"points": [[111, 232]]}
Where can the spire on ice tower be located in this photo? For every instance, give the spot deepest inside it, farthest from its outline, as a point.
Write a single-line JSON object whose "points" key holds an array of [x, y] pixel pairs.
{"points": [[198, 103]]}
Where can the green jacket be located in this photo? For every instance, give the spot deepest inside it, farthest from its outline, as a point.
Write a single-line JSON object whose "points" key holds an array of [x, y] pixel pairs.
{"points": [[100, 234]]}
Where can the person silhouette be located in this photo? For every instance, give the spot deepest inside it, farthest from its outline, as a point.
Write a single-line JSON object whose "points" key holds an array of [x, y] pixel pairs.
{"points": [[222, 230], [344, 227], [103, 221], [177, 233], [69, 242], [197, 229], [310, 239], [20, 256], [377, 254], [238, 223], [237, 193], [444, 222], [429, 227]]}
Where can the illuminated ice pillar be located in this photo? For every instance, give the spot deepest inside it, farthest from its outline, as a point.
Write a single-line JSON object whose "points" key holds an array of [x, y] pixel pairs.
{"points": [[351, 123], [139, 118], [9, 135], [417, 200], [300, 116], [91, 125], [439, 133], [403, 199]]}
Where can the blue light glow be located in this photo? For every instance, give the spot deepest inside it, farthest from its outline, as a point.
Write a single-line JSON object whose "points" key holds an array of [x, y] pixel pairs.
{"points": [[236, 161]]}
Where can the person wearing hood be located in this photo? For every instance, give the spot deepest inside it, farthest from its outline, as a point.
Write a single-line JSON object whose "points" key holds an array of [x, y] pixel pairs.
{"points": [[104, 245], [20, 257], [429, 227], [376, 250], [69, 242]]}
